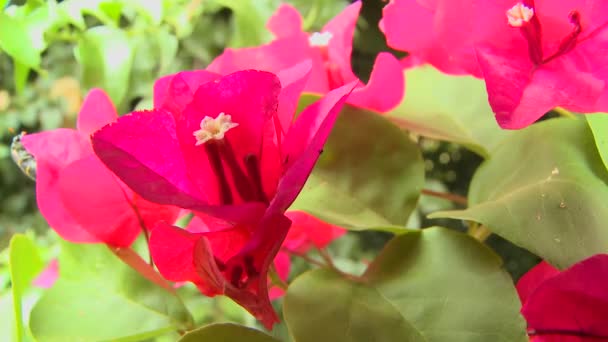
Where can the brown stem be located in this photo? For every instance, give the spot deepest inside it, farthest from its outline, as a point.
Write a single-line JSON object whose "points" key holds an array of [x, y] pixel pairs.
{"points": [[305, 258], [445, 195], [276, 279]]}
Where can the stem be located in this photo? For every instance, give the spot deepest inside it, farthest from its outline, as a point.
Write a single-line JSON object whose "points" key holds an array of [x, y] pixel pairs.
{"points": [[129, 257], [327, 258], [305, 258], [564, 112], [480, 232], [445, 195], [276, 279]]}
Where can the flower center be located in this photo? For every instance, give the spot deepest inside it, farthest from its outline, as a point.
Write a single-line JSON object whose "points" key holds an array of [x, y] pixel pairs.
{"points": [[519, 14], [235, 178], [214, 128], [525, 17], [320, 39]]}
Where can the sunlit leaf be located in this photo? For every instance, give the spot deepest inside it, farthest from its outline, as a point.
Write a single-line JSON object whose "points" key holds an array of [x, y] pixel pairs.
{"points": [[25, 263], [226, 332], [98, 298], [429, 285], [152, 9], [369, 175], [16, 42], [450, 108], [249, 21], [106, 56], [544, 189], [599, 127]]}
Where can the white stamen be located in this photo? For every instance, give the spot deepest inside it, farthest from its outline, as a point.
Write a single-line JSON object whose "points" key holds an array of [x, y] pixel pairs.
{"points": [[519, 14], [214, 128], [320, 39]]}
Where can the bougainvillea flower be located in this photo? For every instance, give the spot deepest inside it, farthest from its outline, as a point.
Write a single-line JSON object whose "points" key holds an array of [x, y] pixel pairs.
{"points": [[78, 196], [305, 233], [226, 147], [567, 306], [533, 55], [329, 51], [420, 28]]}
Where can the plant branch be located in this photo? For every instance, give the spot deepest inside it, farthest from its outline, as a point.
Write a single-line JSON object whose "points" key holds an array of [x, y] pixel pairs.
{"points": [[564, 112], [446, 195], [276, 279], [479, 232]]}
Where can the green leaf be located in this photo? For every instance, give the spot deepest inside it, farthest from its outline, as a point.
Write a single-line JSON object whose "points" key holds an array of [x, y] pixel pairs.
{"points": [[428, 285], [7, 318], [544, 189], [599, 127], [97, 297], [365, 156], [152, 9], [16, 42], [226, 332], [25, 264], [450, 108], [21, 73], [249, 21], [106, 56], [3, 4], [322, 306], [317, 13]]}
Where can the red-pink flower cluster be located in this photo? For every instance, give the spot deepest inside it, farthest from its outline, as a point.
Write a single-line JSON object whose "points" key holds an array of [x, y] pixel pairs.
{"points": [[566, 306], [534, 55]]}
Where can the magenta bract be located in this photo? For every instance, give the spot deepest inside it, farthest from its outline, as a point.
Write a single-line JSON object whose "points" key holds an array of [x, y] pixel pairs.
{"points": [[78, 196], [329, 52], [567, 306], [227, 147], [533, 55]]}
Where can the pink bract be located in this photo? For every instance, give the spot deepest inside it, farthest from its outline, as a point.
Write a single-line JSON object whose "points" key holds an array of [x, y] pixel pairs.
{"points": [[329, 52], [556, 57], [78, 196], [567, 306], [226, 147]]}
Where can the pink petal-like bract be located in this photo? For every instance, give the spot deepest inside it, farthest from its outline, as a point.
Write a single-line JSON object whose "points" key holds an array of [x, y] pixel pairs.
{"points": [[329, 52], [567, 306], [555, 56], [78, 196], [228, 149]]}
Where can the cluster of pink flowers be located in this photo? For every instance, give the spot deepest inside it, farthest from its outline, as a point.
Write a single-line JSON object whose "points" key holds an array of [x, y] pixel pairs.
{"points": [[223, 143], [534, 55]]}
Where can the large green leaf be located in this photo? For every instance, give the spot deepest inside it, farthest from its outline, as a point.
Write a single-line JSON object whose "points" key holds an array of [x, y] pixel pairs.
{"points": [[544, 189], [25, 263], [226, 332], [599, 127], [369, 175], [429, 285], [16, 42], [106, 56], [97, 297], [322, 306], [450, 108]]}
